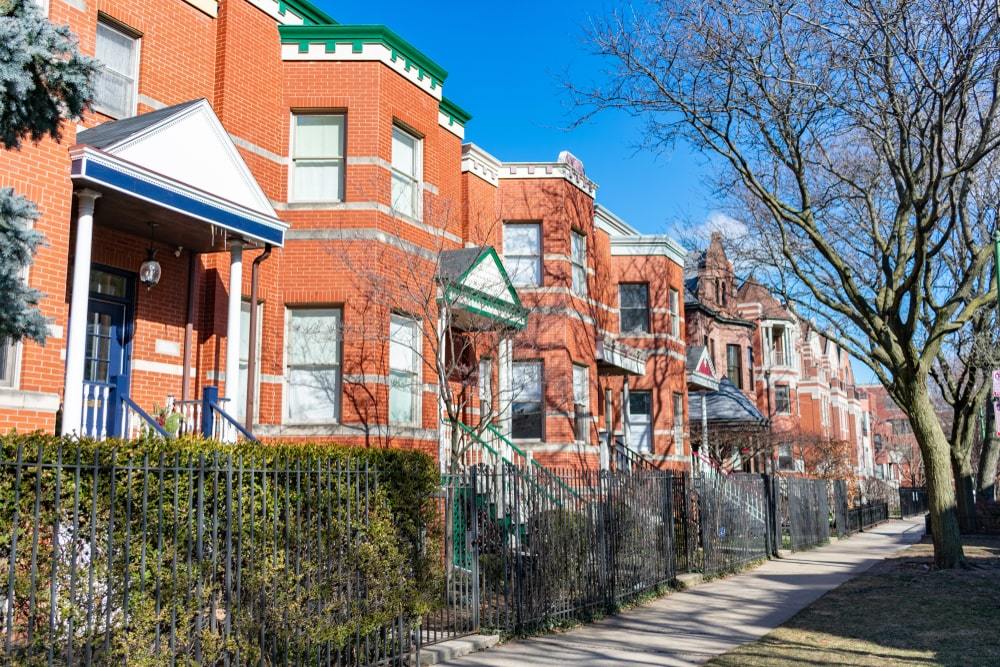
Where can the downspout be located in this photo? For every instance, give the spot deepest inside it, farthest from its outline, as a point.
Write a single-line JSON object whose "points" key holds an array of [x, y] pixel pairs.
{"points": [[252, 335], [189, 325]]}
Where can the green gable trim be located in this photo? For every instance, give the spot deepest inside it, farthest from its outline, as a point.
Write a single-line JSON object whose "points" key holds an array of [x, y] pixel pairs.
{"points": [[455, 113], [512, 313], [487, 306], [359, 35], [306, 11]]}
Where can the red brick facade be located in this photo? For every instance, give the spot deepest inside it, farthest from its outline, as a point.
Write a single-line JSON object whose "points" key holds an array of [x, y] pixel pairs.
{"points": [[801, 382], [357, 255]]}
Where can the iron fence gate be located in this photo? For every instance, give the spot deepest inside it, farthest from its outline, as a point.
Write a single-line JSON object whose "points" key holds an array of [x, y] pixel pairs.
{"points": [[807, 511]]}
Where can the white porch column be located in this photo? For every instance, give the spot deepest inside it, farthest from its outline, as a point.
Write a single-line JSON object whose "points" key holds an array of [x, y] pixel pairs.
{"points": [[625, 414], [76, 341], [444, 428], [504, 377], [233, 325]]}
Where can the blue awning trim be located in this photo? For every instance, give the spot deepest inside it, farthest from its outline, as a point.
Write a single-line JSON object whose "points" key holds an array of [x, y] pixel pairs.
{"points": [[120, 179]]}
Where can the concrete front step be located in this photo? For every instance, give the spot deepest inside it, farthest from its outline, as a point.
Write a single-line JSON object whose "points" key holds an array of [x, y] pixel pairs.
{"points": [[456, 648]]}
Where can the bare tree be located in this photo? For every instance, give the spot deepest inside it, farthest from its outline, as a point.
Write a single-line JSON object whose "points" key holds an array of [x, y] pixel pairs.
{"points": [[854, 133], [962, 374]]}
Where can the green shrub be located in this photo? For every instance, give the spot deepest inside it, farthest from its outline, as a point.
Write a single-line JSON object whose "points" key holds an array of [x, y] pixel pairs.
{"points": [[194, 549]]}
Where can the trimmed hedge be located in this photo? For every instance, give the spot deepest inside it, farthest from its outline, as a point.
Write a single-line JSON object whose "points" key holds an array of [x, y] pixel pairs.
{"points": [[196, 550]]}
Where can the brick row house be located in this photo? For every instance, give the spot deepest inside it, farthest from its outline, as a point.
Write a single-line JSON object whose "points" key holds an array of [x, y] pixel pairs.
{"points": [[787, 395], [270, 205]]}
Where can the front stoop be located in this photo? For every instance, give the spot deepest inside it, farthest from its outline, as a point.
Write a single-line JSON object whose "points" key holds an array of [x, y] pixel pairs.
{"points": [[456, 648]]}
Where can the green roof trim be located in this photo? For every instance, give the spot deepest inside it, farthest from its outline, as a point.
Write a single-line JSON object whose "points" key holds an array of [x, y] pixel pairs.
{"points": [[306, 11], [359, 35], [455, 113]]}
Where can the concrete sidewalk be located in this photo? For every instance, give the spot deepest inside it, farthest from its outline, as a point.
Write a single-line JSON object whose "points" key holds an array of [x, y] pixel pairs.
{"points": [[692, 627]]}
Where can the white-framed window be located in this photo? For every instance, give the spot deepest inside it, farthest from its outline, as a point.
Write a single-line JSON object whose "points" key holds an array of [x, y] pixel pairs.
{"points": [[404, 371], [522, 253], [581, 386], [116, 84], [633, 302], [527, 406], [679, 423], [581, 402], [578, 249], [407, 157], [8, 361], [313, 370], [317, 173], [782, 399], [675, 313]]}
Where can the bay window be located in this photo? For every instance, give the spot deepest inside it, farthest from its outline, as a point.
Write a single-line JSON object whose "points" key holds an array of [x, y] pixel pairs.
{"points": [[527, 405], [317, 171], [522, 253], [406, 173]]}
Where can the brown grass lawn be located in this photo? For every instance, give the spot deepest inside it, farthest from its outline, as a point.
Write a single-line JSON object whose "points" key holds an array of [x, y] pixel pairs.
{"points": [[900, 612]]}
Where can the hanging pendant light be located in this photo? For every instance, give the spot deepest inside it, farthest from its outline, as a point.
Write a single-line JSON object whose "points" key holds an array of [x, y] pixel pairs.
{"points": [[150, 271]]}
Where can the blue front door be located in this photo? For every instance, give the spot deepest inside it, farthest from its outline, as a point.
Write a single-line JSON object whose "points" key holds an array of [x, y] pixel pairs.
{"points": [[106, 364]]}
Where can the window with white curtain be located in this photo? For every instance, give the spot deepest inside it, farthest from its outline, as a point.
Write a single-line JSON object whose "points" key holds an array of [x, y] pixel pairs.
{"points": [[406, 173], [318, 157], [313, 366], [522, 253], [116, 83], [404, 371], [578, 248]]}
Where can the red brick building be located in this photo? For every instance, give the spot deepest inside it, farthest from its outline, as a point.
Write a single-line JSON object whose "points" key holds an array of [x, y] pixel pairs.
{"points": [[800, 381], [248, 152], [896, 452]]}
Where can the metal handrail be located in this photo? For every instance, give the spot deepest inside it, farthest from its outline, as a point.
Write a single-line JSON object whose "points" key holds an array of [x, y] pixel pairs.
{"points": [[548, 473], [216, 408], [145, 417], [475, 436]]}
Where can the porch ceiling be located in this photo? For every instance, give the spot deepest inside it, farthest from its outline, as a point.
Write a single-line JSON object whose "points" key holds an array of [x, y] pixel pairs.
{"points": [[125, 213]]}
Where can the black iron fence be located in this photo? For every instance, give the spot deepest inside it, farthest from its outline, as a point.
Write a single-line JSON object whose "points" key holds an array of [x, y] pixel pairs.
{"points": [[523, 553], [912, 501], [804, 510], [199, 561], [867, 516], [733, 520]]}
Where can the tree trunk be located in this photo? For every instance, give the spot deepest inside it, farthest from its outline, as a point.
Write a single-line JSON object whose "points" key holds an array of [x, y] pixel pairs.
{"points": [[988, 460], [961, 467], [935, 449]]}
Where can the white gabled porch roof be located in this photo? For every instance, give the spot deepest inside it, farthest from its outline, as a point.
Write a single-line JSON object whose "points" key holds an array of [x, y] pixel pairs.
{"points": [[179, 167]]}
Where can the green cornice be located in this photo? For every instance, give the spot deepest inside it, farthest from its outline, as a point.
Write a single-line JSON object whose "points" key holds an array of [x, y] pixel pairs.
{"points": [[306, 11], [359, 35], [454, 112]]}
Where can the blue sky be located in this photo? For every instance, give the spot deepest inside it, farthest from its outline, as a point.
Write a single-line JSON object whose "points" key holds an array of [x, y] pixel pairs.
{"points": [[506, 64]]}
